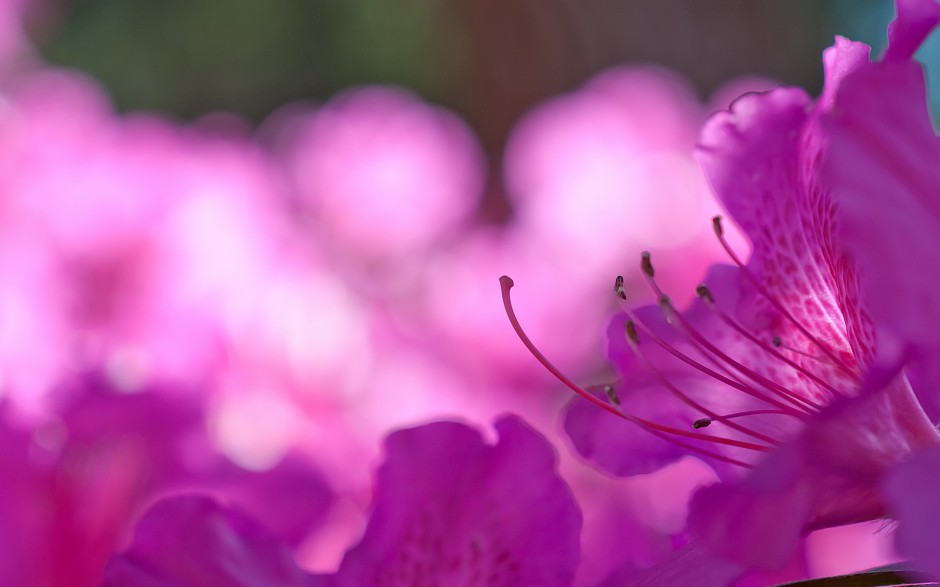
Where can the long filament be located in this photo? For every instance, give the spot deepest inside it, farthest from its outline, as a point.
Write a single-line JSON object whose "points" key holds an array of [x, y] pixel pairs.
{"points": [[733, 383], [734, 324], [698, 340], [719, 232], [506, 285], [684, 398]]}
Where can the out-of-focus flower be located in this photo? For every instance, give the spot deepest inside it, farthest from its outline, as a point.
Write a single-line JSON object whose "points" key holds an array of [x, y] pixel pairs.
{"points": [[382, 174], [785, 354], [74, 481], [447, 509], [592, 173], [12, 36], [142, 242], [192, 541], [593, 177], [602, 173]]}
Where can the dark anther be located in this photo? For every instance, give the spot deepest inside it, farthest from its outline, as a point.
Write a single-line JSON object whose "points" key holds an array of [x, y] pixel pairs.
{"points": [[618, 288], [776, 342], [702, 423], [646, 264], [716, 225], [631, 332], [703, 292], [612, 395]]}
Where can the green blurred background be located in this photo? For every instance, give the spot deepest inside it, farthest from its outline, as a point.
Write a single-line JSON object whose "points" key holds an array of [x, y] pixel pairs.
{"points": [[489, 60]]}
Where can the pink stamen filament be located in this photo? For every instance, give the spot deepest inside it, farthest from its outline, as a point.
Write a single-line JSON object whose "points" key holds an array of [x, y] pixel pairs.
{"points": [[648, 271], [730, 382], [768, 384], [703, 422], [800, 413], [664, 431], [734, 324], [664, 381], [807, 355], [719, 232], [676, 318]]}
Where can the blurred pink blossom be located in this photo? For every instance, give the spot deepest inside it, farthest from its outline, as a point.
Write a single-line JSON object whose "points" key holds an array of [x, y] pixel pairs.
{"points": [[605, 172], [383, 174]]}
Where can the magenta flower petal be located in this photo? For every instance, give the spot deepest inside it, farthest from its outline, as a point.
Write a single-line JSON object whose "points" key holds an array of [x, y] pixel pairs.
{"points": [[73, 483], [451, 510], [291, 497], [911, 492], [885, 164], [827, 476], [915, 20], [614, 447], [865, 160], [755, 158], [192, 541], [162, 437], [756, 522]]}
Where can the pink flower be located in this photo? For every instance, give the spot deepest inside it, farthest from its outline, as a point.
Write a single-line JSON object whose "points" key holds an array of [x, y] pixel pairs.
{"points": [[789, 365], [448, 509], [190, 540], [383, 173], [72, 484]]}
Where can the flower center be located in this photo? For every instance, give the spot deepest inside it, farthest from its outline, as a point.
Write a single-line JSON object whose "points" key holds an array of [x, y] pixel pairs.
{"points": [[704, 356], [613, 404]]}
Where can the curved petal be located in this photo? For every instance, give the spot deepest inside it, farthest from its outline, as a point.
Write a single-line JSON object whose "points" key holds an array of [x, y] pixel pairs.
{"points": [[915, 20], [844, 57], [827, 476], [760, 158], [451, 510], [192, 541], [613, 445], [758, 521], [885, 166]]}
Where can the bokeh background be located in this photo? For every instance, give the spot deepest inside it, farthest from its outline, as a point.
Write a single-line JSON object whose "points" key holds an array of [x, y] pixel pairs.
{"points": [[277, 227], [489, 61]]}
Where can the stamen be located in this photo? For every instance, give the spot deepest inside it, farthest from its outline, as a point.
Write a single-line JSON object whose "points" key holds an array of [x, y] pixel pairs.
{"points": [[646, 264], [704, 346], [707, 297], [619, 290], [634, 321], [703, 292], [663, 431], [768, 384], [611, 394], [701, 451], [506, 283], [719, 232], [705, 422], [805, 354], [634, 342]]}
